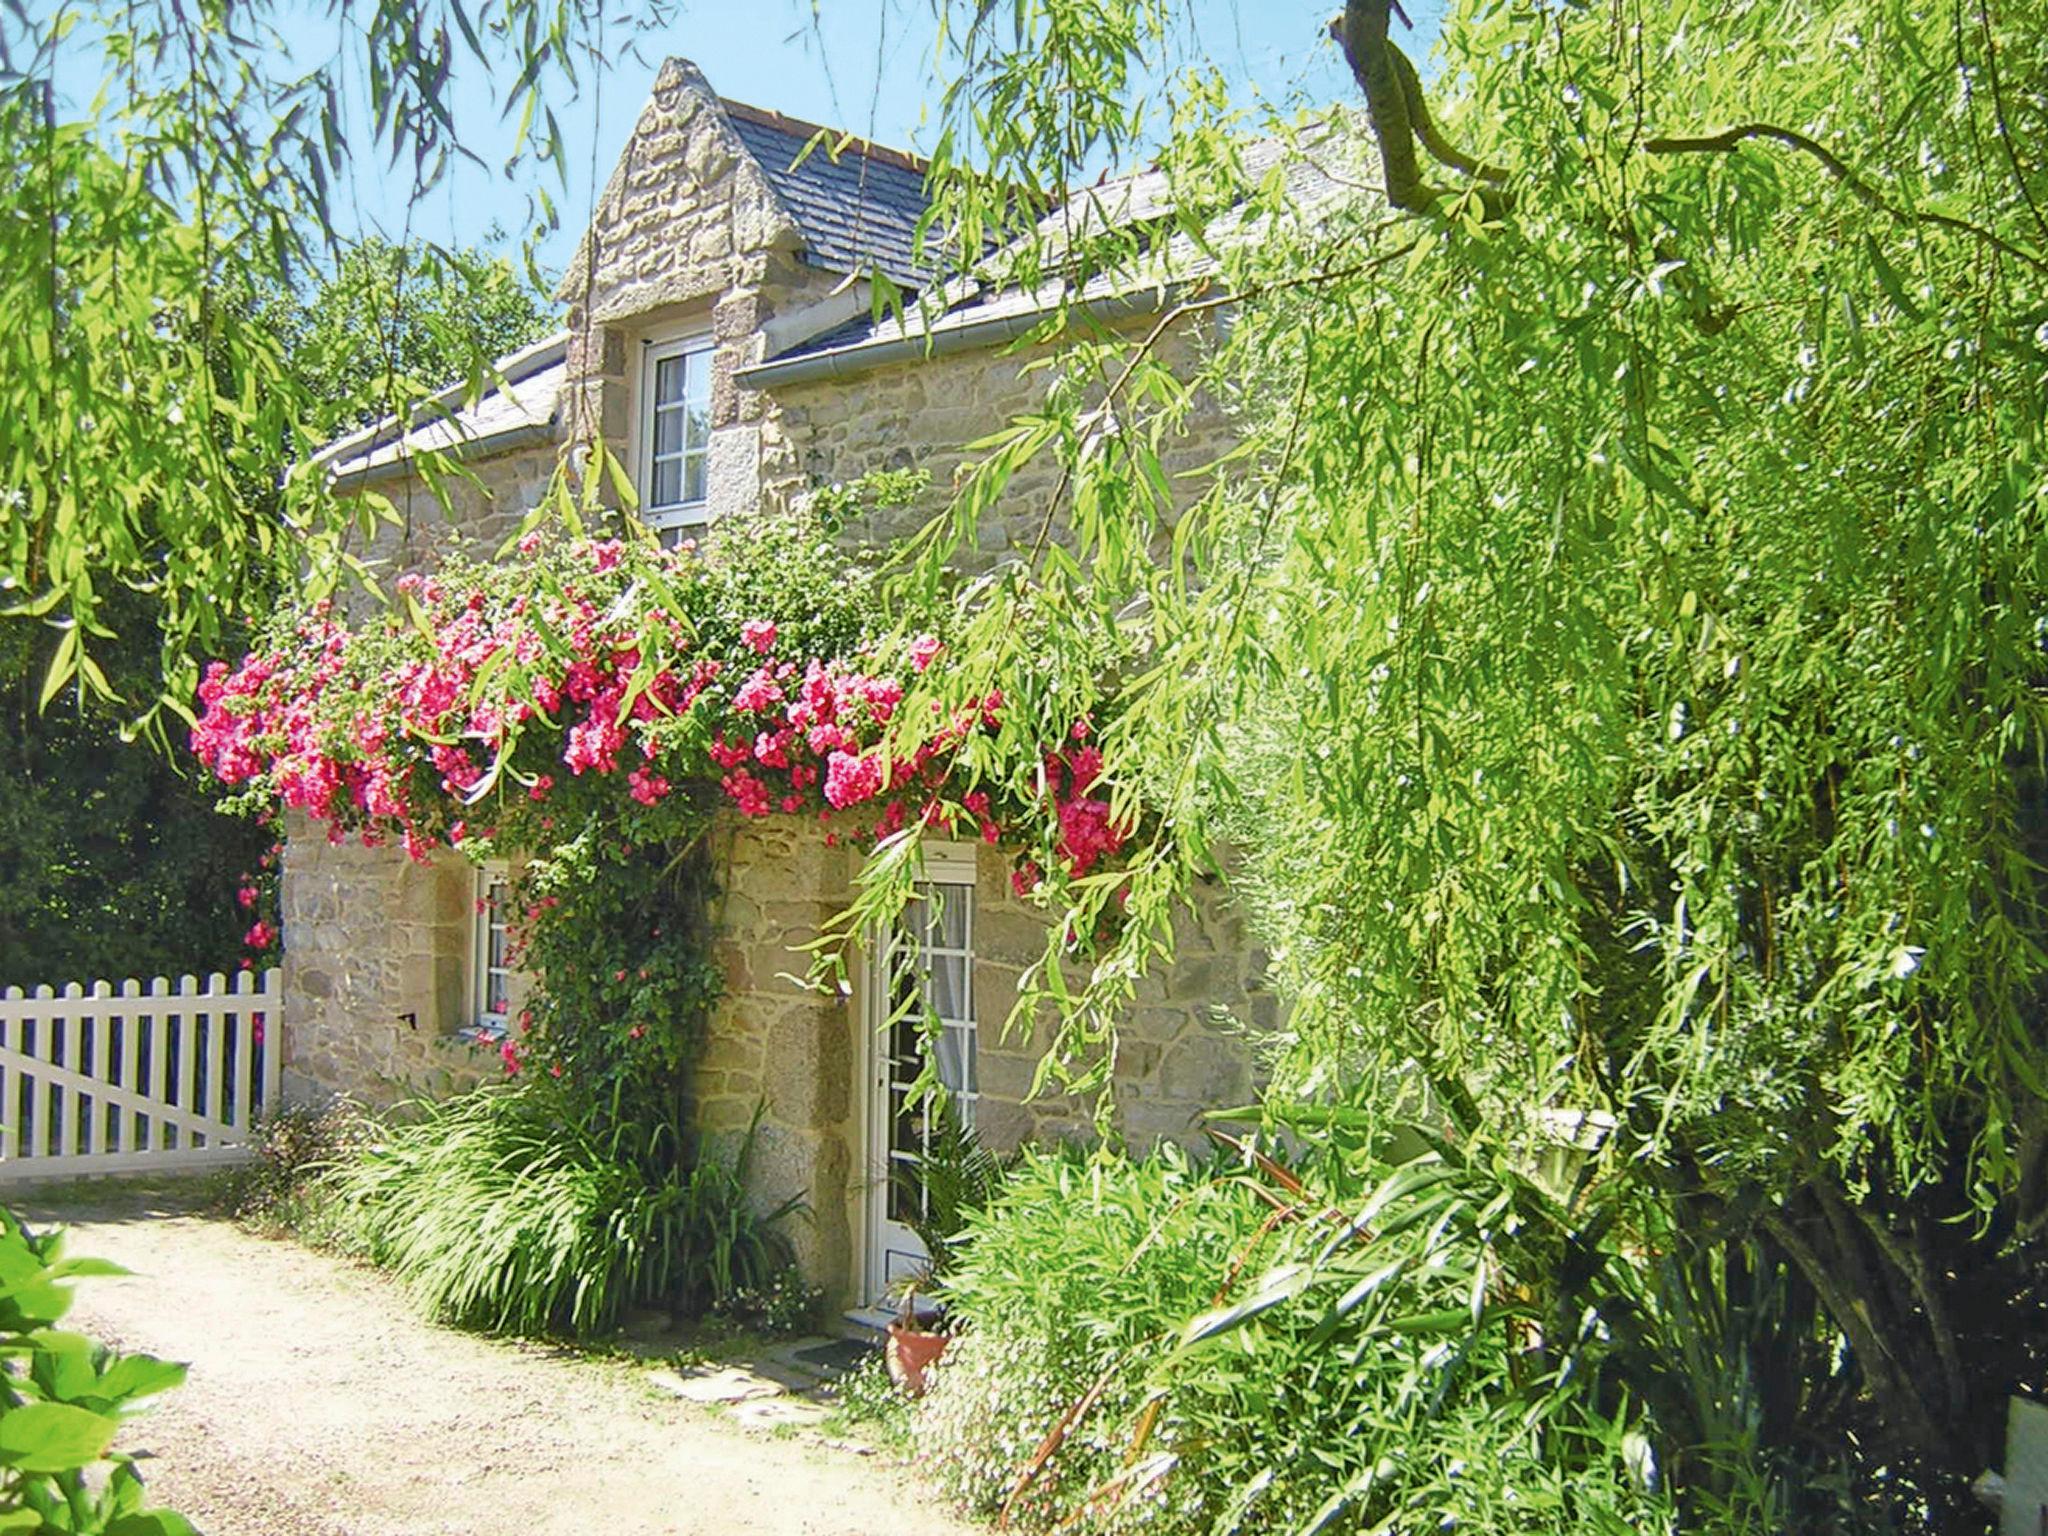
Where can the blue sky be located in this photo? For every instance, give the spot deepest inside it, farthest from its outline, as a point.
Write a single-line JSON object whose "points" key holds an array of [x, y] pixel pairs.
{"points": [[862, 65]]}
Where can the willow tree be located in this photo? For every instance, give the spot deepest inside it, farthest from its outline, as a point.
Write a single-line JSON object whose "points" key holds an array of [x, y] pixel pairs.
{"points": [[1615, 664], [163, 166]]}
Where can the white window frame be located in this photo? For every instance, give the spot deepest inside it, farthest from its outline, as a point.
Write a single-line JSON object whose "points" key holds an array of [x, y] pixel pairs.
{"points": [[488, 922], [684, 514]]}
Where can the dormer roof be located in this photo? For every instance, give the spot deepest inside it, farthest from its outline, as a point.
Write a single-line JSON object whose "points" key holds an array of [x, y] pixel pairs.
{"points": [[856, 204]]}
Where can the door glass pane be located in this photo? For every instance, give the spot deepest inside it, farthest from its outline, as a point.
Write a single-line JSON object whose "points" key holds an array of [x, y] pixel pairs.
{"points": [[955, 1045], [668, 432], [946, 987], [946, 915], [929, 993]]}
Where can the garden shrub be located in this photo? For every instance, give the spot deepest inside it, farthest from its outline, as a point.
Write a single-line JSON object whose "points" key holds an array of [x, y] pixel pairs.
{"points": [[503, 1210], [784, 1304], [868, 1402], [63, 1398], [1078, 1267], [286, 1189], [1154, 1340]]}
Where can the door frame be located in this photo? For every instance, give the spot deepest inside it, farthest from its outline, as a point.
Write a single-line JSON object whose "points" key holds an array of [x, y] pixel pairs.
{"points": [[943, 862]]}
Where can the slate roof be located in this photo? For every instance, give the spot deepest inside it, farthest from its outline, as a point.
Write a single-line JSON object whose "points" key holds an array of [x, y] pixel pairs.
{"points": [[856, 212], [519, 400], [1322, 170]]}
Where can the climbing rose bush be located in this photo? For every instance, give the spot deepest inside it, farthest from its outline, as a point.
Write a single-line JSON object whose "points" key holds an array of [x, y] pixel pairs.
{"points": [[585, 708], [492, 693]]}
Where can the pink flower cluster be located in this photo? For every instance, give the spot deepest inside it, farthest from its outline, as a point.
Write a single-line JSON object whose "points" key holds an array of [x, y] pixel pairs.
{"points": [[487, 687]]}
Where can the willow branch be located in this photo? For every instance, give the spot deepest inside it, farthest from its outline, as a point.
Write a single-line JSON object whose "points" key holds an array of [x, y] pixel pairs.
{"points": [[1425, 127], [1731, 139], [1362, 33], [1172, 317]]}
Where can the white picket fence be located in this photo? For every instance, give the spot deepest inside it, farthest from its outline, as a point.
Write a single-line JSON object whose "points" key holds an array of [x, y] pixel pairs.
{"points": [[140, 1075]]}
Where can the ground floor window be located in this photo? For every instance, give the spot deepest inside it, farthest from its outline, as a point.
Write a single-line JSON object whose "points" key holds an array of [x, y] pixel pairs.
{"points": [[491, 969]]}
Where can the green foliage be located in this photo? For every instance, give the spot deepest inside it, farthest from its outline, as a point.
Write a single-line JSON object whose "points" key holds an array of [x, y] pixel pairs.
{"points": [[1612, 665], [1074, 1275], [141, 415], [615, 935], [388, 324], [502, 1210], [62, 1401], [144, 402], [836, 504], [1192, 1347], [869, 1402], [113, 863]]}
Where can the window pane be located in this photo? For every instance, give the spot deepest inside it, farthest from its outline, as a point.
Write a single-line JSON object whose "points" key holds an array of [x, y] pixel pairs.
{"points": [[698, 433], [668, 484], [946, 922], [668, 432], [670, 377], [693, 478]]}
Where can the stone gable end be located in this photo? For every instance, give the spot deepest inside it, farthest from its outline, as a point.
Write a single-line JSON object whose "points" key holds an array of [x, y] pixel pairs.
{"points": [[685, 207]]}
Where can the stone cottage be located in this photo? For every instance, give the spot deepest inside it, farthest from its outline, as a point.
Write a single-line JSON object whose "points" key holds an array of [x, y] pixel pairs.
{"points": [[719, 337]]}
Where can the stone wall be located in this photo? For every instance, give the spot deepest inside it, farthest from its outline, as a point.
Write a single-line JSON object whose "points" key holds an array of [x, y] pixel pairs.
{"points": [[779, 1044], [377, 959], [483, 511], [1184, 1048], [924, 412]]}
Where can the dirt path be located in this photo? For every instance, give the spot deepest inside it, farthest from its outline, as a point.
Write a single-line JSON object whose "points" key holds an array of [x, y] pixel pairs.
{"points": [[318, 1405]]}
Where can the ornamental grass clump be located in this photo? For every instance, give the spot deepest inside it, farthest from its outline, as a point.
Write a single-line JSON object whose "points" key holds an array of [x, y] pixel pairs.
{"points": [[498, 1212]]}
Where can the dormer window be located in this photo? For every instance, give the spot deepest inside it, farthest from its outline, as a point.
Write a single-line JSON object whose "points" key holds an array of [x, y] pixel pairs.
{"points": [[675, 447]]}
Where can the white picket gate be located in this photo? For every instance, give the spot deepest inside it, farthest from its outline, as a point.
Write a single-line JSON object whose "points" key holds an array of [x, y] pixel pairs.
{"points": [[146, 1075]]}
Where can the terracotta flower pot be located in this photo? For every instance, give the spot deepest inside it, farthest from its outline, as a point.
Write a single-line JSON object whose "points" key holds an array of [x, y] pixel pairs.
{"points": [[910, 1353]]}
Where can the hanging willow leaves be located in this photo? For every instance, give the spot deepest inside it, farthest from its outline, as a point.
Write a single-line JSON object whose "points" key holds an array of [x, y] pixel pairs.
{"points": [[1614, 667], [148, 414]]}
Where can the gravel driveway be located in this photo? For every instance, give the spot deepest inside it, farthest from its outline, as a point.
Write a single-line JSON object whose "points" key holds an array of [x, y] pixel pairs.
{"points": [[319, 1405]]}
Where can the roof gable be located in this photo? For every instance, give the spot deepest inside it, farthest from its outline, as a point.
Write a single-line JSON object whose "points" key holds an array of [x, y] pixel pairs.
{"points": [[849, 206], [683, 169]]}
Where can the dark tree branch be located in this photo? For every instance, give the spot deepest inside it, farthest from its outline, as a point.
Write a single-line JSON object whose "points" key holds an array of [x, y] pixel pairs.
{"points": [[1889, 1378], [1398, 112], [1362, 33], [1731, 139], [1425, 127]]}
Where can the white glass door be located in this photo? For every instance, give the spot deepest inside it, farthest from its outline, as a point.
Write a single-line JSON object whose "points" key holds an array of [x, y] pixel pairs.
{"points": [[921, 1010]]}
